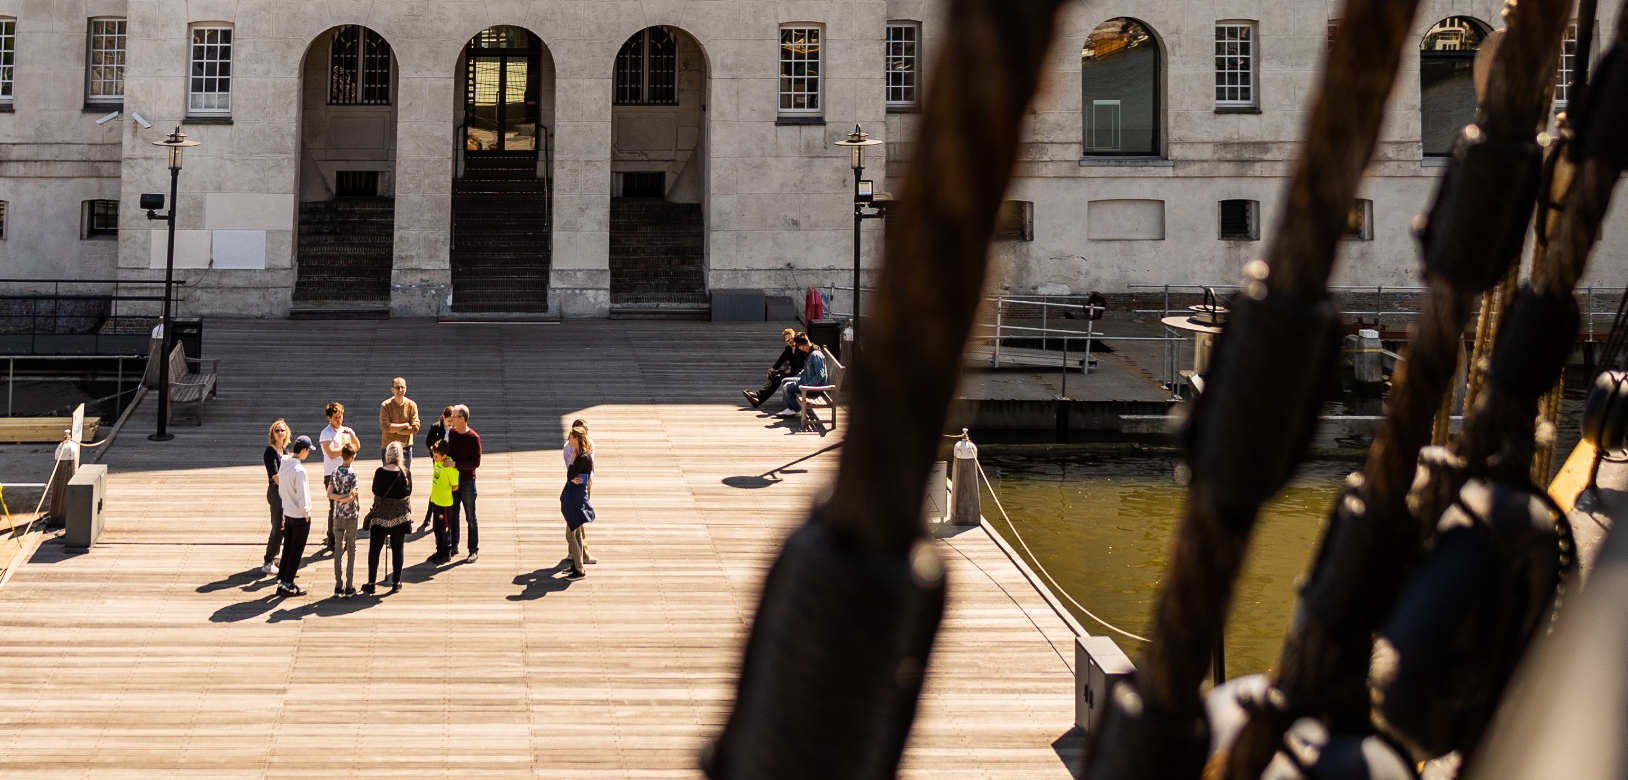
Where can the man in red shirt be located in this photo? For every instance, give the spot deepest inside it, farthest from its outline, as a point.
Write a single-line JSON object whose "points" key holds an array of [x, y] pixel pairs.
{"points": [[463, 447]]}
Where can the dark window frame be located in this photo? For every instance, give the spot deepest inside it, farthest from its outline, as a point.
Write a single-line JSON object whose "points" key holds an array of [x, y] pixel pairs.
{"points": [[359, 67], [101, 219], [1014, 221], [1156, 95], [647, 69]]}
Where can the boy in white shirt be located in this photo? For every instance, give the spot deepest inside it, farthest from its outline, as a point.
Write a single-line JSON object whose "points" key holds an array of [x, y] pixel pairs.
{"points": [[296, 495], [334, 439]]}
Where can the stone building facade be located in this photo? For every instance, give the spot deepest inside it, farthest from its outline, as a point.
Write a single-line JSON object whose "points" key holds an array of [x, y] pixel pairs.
{"points": [[426, 157]]}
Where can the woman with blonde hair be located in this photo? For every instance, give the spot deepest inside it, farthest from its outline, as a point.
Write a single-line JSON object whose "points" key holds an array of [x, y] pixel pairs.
{"points": [[276, 441], [390, 517], [579, 449]]}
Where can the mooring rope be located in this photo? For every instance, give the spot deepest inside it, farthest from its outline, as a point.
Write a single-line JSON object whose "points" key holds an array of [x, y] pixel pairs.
{"points": [[1042, 569]]}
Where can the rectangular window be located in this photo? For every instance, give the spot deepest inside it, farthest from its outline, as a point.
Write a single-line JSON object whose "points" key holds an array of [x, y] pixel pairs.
{"points": [[1238, 220], [644, 184], [1359, 226], [1568, 59], [209, 90], [8, 55], [902, 64], [104, 68], [359, 68], [800, 70], [1234, 65], [101, 218], [1015, 221], [2, 219], [356, 184]]}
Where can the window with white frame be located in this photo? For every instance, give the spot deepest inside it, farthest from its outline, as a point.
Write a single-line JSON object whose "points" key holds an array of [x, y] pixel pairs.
{"points": [[800, 70], [903, 63], [1235, 64], [1568, 60], [209, 89], [104, 63], [8, 53]]}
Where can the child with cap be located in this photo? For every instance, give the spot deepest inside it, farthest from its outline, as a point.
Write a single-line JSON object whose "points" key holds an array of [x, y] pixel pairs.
{"points": [[292, 487]]}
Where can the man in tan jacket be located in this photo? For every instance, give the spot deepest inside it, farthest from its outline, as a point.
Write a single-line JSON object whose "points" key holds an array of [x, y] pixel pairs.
{"points": [[398, 421]]}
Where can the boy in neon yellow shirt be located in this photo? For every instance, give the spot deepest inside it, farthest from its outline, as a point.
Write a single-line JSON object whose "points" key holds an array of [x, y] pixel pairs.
{"points": [[444, 480]]}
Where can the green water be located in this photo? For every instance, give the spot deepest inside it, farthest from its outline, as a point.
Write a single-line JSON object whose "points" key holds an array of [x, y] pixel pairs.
{"points": [[1101, 525]]}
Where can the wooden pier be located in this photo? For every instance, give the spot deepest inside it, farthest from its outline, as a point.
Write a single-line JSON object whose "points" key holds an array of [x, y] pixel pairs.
{"points": [[162, 653]]}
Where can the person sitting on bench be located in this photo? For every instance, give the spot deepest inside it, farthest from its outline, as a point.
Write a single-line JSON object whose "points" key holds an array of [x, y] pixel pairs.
{"points": [[813, 375], [789, 365]]}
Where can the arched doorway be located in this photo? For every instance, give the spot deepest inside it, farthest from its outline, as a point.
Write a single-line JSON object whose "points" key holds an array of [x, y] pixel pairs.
{"points": [[658, 170], [346, 235], [1120, 89], [1447, 81], [501, 205]]}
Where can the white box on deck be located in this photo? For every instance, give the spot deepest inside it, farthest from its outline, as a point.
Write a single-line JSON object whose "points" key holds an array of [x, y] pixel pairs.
{"points": [[1098, 664]]}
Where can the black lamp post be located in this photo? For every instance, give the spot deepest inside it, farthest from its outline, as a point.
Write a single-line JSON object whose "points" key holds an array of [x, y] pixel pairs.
{"points": [[177, 143], [865, 195]]}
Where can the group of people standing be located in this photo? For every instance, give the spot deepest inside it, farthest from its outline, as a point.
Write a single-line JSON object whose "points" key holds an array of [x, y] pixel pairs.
{"points": [[455, 449]]}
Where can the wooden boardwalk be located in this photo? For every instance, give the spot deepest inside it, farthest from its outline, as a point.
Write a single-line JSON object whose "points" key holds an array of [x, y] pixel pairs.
{"points": [[164, 654]]}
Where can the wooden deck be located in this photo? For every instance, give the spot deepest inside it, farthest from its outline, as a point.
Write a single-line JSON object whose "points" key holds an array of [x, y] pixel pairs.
{"points": [[162, 653]]}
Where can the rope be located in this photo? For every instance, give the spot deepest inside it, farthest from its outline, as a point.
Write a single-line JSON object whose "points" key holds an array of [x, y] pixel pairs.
{"points": [[1042, 569], [55, 464]]}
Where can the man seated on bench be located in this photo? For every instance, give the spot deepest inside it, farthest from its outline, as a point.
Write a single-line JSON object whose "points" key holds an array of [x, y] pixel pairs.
{"points": [[790, 364], [813, 375]]}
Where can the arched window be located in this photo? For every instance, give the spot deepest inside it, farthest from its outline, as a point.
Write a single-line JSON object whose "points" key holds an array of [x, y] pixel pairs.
{"points": [[647, 69], [1446, 81], [1119, 89]]}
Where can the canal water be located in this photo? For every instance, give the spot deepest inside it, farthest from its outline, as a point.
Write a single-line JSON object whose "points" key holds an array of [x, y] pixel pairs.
{"points": [[1100, 524]]}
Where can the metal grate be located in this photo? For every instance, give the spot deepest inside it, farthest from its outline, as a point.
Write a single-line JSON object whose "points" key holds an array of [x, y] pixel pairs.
{"points": [[359, 68], [105, 74], [1238, 220], [356, 184], [644, 184]]}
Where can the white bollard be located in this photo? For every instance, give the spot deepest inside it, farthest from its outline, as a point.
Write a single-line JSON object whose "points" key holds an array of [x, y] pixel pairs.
{"points": [[964, 500]]}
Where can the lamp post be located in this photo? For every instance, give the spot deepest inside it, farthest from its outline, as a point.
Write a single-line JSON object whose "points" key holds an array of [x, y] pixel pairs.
{"points": [[864, 195], [177, 143]]}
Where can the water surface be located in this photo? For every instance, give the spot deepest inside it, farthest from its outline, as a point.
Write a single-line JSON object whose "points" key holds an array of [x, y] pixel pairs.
{"points": [[1101, 525]]}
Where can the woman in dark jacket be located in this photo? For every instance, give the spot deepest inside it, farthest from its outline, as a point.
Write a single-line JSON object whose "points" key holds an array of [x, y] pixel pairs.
{"points": [[276, 442], [390, 517], [574, 497]]}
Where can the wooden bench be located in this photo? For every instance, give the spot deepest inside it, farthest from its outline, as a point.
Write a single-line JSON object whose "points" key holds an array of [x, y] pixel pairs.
{"points": [[187, 387], [811, 399]]}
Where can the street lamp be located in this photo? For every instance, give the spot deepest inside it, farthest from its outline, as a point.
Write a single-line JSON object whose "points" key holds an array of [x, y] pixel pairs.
{"points": [[865, 195], [177, 143]]}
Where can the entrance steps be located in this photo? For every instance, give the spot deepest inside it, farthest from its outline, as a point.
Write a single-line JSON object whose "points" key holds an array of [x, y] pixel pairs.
{"points": [[657, 252], [344, 253], [500, 236]]}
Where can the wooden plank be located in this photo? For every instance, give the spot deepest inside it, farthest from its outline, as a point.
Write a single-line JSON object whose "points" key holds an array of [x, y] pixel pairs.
{"points": [[40, 430], [163, 654]]}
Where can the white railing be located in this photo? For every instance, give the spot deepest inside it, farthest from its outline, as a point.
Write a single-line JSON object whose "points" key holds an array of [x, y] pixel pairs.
{"points": [[998, 333]]}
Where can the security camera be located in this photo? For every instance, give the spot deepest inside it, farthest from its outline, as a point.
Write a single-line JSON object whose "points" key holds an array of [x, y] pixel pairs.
{"points": [[141, 120], [110, 117]]}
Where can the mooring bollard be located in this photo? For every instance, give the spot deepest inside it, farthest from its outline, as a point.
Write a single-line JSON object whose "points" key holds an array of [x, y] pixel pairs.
{"points": [[964, 499], [67, 464]]}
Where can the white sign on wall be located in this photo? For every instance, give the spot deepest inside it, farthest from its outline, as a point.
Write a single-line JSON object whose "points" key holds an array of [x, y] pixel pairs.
{"points": [[240, 249]]}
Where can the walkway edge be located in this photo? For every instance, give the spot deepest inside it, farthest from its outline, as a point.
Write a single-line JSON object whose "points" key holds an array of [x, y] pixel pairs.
{"points": [[1028, 574]]}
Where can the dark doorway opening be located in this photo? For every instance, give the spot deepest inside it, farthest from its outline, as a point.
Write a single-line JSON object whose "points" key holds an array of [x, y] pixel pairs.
{"points": [[356, 184], [644, 185]]}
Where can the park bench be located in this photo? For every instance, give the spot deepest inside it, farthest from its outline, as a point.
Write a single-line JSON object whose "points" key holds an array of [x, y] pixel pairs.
{"points": [[187, 387], [811, 399]]}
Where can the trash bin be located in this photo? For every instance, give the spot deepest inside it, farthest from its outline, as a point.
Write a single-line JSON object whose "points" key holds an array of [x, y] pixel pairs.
{"points": [[826, 333], [189, 332]]}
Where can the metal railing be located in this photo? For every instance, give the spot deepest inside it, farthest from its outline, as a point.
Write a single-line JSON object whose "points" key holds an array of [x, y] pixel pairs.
{"points": [[118, 396], [999, 333], [77, 315], [1595, 302]]}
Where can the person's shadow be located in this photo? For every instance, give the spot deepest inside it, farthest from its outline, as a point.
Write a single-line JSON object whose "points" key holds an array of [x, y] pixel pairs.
{"points": [[542, 582], [238, 580], [332, 606], [236, 613]]}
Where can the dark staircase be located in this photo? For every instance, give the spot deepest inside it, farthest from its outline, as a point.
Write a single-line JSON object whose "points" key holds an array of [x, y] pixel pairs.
{"points": [[500, 235], [656, 259], [344, 256]]}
